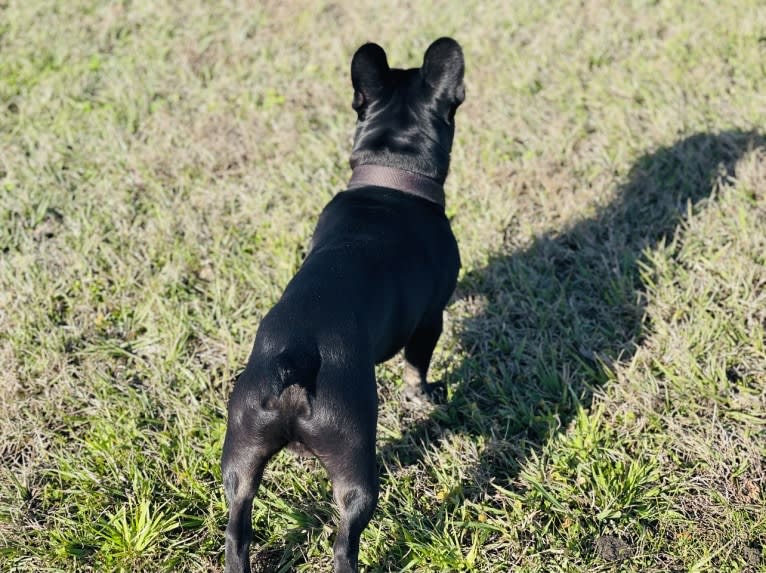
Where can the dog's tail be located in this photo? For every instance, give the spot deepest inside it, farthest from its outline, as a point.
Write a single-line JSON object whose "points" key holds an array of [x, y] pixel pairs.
{"points": [[293, 376]]}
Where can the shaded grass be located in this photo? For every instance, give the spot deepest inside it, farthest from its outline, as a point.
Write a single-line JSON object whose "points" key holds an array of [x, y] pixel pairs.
{"points": [[576, 300], [161, 169]]}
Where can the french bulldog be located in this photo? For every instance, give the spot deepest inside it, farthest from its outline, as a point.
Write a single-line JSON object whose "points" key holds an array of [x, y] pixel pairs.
{"points": [[381, 266]]}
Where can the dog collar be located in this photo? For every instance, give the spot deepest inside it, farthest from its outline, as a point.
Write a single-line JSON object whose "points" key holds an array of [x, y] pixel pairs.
{"points": [[399, 179]]}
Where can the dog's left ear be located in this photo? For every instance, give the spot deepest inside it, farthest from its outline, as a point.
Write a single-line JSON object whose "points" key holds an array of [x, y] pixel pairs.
{"points": [[443, 69]]}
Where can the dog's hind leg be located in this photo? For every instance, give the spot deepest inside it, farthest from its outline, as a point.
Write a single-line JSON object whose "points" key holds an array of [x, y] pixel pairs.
{"points": [[342, 435], [417, 358], [242, 467], [355, 489]]}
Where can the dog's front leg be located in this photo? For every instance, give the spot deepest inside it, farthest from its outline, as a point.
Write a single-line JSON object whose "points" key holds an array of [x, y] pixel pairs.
{"points": [[417, 358]]}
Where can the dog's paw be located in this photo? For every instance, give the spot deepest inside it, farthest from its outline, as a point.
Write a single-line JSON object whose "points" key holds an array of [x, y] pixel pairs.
{"points": [[434, 393], [437, 392]]}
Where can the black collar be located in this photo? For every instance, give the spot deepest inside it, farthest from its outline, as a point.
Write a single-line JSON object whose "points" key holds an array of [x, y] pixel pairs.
{"points": [[399, 179]]}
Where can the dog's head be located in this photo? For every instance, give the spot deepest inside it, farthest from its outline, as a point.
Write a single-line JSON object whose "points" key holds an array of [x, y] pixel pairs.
{"points": [[406, 117]]}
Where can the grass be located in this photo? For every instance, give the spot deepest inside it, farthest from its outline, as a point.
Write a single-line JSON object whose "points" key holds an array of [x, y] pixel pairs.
{"points": [[161, 169]]}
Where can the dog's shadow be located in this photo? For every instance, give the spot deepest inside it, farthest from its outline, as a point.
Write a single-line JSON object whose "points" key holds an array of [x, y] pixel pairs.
{"points": [[548, 317]]}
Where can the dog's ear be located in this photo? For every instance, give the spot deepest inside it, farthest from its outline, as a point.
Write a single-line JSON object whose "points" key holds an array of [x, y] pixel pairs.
{"points": [[369, 69], [443, 69]]}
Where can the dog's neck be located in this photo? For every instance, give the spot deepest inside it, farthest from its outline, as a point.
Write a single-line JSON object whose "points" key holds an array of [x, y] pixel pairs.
{"points": [[399, 179]]}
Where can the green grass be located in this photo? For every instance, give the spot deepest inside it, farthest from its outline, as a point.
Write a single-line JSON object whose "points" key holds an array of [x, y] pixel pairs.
{"points": [[161, 169]]}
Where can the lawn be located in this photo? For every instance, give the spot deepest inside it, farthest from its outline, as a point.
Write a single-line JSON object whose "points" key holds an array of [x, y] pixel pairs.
{"points": [[161, 169]]}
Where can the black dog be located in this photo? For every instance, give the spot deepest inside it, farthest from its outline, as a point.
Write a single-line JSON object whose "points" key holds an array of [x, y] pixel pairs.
{"points": [[382, 265]]}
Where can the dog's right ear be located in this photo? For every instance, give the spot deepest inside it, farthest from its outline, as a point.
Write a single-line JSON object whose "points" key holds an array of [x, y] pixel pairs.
{"points": [[369, 69]]}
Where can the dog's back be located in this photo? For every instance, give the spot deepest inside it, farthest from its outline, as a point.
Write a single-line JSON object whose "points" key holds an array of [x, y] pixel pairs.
{"points": [[380, 262]]}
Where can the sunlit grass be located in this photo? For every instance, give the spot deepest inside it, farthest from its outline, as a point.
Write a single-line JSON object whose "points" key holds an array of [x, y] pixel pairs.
{"points": [[161, 169]]}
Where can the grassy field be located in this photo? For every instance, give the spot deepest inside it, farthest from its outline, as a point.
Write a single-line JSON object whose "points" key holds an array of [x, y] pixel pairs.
{"points": [[161, 169]]}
